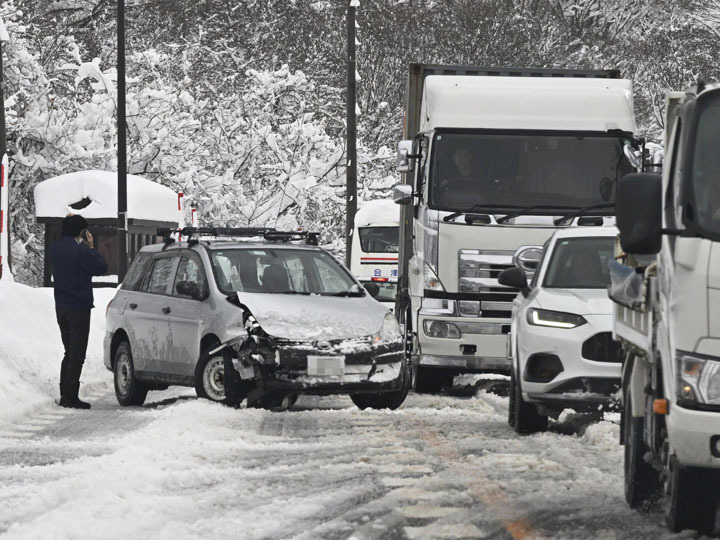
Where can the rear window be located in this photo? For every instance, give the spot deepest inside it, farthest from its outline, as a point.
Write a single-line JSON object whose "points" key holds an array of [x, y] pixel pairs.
{"points": [[134, 277], [580, 263]]}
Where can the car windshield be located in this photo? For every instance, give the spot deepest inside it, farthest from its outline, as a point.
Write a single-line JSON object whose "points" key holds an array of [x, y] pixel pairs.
{"points": [[528, 169], [580, 263], [706, 168], [281, 271], [379, 239]]}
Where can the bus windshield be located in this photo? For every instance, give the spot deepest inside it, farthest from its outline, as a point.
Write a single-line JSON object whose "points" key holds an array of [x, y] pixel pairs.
{"points": [[560, 170]]}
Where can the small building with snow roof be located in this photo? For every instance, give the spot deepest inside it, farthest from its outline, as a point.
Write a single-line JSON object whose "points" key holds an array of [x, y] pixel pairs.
{"points": [[93, 195]]}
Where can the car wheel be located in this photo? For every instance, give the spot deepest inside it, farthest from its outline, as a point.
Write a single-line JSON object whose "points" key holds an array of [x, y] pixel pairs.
{"points": [[432, 380], [527, 418], [128, 389], [210, 375], [690, 499], [642, 482], [385, 400]]}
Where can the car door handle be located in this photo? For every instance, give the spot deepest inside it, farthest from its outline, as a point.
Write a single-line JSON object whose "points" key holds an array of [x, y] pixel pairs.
{"points": [[166, 310], [132, 306]]}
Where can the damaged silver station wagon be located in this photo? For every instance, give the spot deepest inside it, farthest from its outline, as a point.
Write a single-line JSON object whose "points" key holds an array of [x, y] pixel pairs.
{"points": [[253, 315]]}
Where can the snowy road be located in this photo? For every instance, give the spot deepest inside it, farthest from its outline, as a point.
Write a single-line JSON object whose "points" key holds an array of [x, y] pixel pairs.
{"points": [[439, 467]]}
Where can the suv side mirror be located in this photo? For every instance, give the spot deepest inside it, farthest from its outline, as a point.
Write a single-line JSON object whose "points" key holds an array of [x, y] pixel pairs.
{"points": [[404, 160], [402, 194], [638, 206], [514, 277]]}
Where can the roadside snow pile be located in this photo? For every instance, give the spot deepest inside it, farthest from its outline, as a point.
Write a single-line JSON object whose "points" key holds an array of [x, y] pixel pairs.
{"points": [[31, 349]]}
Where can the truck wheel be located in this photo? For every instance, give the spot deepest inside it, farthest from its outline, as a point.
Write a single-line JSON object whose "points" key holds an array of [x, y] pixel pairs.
{"points": [[210, 375], [385, 400], [526, 416], [690, 499], [432, 380], [128, 390], [642, 482]]}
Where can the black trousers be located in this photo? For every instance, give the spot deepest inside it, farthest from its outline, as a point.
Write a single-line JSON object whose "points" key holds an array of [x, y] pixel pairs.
{"points": [[74, 330]]}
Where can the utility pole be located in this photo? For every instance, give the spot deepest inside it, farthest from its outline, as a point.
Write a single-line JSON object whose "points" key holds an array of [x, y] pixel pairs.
{"points": [[351, 171], [5, 250], [122, 148]]}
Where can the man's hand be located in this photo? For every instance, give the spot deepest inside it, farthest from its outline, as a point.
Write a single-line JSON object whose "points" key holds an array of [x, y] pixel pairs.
{"points": [[89, 239]]}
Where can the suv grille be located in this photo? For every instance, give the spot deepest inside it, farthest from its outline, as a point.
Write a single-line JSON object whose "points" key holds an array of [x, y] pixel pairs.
{"points": [[602, 348]]}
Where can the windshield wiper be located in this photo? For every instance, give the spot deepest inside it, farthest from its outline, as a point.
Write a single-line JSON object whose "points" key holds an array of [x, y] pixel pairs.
{"points": [[347, 293], [478, 208], [580, 211], [526, 209]]}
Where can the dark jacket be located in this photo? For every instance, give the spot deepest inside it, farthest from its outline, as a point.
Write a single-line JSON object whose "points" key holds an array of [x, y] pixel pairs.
{"points": [[73, 266]]}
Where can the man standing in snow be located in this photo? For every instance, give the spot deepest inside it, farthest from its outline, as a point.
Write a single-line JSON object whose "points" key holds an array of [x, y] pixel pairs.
{"points": [[74, 261]]}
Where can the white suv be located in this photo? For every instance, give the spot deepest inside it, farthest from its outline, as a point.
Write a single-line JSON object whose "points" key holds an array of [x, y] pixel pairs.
{"points": [[264, 318], [563, 353]]}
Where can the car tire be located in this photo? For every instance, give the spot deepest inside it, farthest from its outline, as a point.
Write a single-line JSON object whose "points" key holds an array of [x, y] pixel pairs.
{"points": [[385, 400], [527, 420], [690, 498], [432, 380], [642, 482], [210, 375], [129, 390]]}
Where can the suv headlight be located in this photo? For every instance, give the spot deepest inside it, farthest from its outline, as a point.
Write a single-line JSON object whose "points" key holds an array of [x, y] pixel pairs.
{"points": [[554, 319], [698, 378], [389, 331]]}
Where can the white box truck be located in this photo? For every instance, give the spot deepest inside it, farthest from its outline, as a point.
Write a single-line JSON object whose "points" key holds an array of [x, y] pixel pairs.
{"points": [[667, 317], [495, 159]]}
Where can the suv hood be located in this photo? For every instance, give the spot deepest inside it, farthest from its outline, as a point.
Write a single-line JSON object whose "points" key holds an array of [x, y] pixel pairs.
{"points": [[578, 301], [311, 318]]}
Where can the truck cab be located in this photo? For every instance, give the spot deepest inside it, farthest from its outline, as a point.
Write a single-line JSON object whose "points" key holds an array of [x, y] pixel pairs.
{"points": [[495, 161], [667, 317]]}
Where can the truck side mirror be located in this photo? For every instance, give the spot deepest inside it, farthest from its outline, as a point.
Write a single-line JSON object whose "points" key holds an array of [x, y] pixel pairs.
{"points": [[402, 194], [638, 206], [404, 160], [514, 277]]}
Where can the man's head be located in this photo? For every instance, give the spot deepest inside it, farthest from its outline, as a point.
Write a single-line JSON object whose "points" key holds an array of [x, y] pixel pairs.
{"points": [[73, 225], [463, 159]]}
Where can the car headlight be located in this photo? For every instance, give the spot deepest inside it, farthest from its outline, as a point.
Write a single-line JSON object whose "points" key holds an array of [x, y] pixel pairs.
{"points": [[441, 329], [554, 319], [698, 378], [389, 331]]}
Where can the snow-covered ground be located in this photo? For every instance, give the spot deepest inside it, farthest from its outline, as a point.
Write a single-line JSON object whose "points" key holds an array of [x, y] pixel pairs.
{"points": [[179, 467]]}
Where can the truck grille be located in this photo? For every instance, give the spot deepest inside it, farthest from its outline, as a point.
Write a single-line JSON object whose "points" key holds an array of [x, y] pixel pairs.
{"points": [[478, 271]]}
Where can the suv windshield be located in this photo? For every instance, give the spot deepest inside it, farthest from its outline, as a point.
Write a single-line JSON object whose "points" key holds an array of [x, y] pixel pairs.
{"points": [[580, 263], [558, 170], [282, 271], [706, 168], [379, 239]]}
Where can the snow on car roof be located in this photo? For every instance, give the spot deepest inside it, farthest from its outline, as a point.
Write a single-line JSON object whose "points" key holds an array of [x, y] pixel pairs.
{"points": [[377, 212], [145, 199]]}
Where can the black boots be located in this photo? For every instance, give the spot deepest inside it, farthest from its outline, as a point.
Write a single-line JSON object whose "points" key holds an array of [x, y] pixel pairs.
{"points": [[73, 403]]}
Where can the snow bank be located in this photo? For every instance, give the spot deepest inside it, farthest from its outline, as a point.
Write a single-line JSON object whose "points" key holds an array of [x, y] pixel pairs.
{"points": [[377, 212], [145, 199], [31, 349]]}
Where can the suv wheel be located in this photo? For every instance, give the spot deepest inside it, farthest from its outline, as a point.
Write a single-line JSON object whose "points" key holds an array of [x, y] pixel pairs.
{"points": [[210, 375], [128, 390], [525, 415]]}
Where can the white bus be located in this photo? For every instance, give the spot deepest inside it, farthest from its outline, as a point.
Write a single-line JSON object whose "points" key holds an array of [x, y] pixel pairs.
{"points": [[375, 248]]}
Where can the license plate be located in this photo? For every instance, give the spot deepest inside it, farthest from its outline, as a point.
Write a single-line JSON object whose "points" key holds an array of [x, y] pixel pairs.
{"points": [[323, 366]]}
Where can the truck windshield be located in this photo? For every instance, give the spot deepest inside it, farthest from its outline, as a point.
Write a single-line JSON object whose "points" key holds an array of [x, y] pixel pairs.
{"points": [[580, 263], [536, 169], [706, 168], [379, 239]]}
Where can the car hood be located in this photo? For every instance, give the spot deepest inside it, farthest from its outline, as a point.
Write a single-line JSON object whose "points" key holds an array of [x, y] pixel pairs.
{"points": [[578, 301], [310, 318]]}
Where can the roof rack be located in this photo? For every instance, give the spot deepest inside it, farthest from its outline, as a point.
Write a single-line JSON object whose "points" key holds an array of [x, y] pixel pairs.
{"points": [[268, 234]]}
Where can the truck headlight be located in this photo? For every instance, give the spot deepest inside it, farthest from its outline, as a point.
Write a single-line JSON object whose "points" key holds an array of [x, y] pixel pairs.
{"points": [[441, 329], [698, 378], [554, 319], [389, 331]]}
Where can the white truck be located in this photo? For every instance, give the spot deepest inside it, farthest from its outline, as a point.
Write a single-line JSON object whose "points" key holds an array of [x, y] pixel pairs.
{"points": [[495, 159], [667, 318], [374, 259]]}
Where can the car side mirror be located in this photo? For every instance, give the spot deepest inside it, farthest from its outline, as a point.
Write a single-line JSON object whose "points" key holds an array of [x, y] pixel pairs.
{"points": [[514, 277], [372, 288], [638, 207], [404, 159], [402, 194]]}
